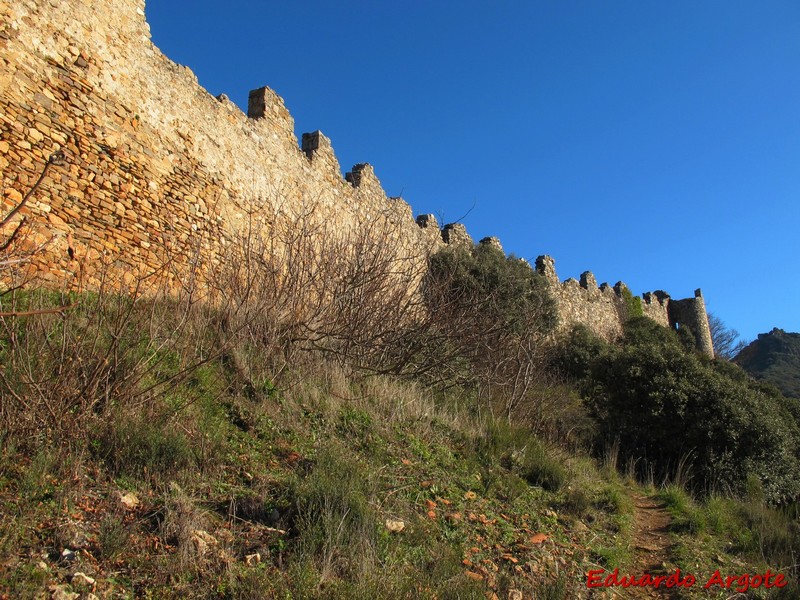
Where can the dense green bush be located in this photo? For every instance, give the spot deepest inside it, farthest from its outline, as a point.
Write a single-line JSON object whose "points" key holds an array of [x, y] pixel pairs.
{"points": [[577, 353], [665, 403], [499, 291], [493, 313]]}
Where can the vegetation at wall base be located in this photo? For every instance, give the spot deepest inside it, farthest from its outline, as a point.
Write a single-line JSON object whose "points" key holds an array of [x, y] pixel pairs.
{"points": [[335, 486], [285, 396], [156, 447], [205, 490], [669, 408]]}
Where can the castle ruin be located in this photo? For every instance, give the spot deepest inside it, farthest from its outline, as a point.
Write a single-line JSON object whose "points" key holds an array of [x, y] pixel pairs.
{"points": [[155, 163]]}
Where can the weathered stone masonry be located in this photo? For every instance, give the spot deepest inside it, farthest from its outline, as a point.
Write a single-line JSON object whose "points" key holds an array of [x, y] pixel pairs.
{"points": [[691, 313], [155, 164], [158, 168], [604, 309]]}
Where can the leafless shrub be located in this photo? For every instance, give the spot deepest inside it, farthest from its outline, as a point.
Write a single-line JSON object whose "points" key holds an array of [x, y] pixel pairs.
{"points": [[727, 343], [299, 286], [119, 347]]}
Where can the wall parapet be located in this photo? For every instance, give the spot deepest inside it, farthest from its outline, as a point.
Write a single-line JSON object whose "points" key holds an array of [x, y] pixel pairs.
{"points": [[319, 150], [604, 308], [455, 234]]}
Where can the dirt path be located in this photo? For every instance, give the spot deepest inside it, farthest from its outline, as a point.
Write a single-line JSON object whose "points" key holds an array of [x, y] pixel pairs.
{"points": [[651, 543]]}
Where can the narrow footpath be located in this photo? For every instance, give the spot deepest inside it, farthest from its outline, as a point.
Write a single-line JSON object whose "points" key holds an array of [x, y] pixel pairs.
{"points": [[651, 544]]}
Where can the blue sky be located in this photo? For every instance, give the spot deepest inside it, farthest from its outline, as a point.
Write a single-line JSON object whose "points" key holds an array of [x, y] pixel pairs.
{"points": [[656, 143]]}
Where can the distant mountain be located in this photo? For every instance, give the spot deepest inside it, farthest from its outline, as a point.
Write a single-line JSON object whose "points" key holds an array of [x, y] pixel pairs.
{"points": [[774, 357]]}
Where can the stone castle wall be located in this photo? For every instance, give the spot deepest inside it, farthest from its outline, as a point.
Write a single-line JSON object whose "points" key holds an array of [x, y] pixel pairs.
{"points": [[153, 161], [602, 308], [158, 172]]}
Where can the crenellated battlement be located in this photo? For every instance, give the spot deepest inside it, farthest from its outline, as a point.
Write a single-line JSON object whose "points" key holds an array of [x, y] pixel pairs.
{"points": [[264, 103], [588, 281], [604, 308], [455, 234]]}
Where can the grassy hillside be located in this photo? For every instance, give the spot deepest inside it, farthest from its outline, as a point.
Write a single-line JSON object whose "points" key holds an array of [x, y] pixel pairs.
{"points": [[170, 448]]}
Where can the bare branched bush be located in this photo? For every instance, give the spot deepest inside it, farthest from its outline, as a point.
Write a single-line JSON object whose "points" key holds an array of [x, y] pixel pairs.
{"points": [[116, 350], [289, 286], [63, 368], [71, 360], [726, 340], [300, 286]]}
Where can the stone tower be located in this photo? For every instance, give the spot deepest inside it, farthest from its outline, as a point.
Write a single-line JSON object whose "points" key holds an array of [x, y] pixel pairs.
{"points": [[691, 313]]}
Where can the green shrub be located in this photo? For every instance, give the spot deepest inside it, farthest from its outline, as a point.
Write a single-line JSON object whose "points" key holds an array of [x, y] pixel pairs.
{"points": [[519, 450], [354, 422], [578, 353], [502, 442], [720, 515], [771, 534], [495, 288], [494, 314], [686, 515], [633, 304], [139, 446], [336, 526], [616, 500], [541, 468], [664, 403], [577, 502], [113, 536]]}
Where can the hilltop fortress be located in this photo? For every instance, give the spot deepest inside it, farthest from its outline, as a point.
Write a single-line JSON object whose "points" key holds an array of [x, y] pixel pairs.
{"points": [[155, 165]]}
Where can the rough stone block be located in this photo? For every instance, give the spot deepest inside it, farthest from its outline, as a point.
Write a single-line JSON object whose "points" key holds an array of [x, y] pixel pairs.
{"points": [[492, 242], [588, 281], [427, 221], [455, 234]]}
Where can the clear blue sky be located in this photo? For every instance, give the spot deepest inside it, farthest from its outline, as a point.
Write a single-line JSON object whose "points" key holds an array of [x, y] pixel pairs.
{"points": [[653, 142]]}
